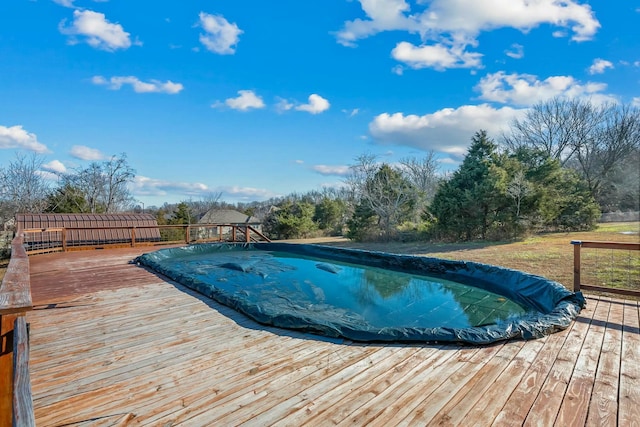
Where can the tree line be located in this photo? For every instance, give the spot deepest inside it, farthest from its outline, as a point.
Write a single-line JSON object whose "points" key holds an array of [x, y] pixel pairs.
{"points": [[101, 187], [557, 168]]}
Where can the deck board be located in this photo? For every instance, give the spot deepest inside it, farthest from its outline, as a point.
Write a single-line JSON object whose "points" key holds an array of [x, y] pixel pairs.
{"points": [[113, 344], [629, 396]]}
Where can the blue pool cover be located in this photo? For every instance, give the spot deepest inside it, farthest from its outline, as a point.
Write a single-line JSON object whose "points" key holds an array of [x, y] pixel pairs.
{"points": [[242, 277]]}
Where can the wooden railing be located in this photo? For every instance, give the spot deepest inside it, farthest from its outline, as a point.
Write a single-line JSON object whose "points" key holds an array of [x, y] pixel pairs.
{"points": [[577, 265], [77, 238], [16, 404]]}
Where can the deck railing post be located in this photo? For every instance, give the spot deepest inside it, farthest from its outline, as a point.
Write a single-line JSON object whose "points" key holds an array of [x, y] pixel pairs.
{"points": [[247, 234], [64, 239], [6, 368], [133, 237], [187, 234], [233, 233], [22, 404], [576, 264]]}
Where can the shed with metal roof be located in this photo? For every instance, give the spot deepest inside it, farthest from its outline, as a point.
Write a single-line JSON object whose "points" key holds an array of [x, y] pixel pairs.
{"points": [[86, 229]]}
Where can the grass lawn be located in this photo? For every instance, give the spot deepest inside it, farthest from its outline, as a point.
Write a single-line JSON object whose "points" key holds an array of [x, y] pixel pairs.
{"points": [[549, 255]]}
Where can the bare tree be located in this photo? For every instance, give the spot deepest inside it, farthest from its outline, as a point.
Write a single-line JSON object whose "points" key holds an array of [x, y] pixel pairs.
{"points": [[23, 187], [423, 176], [518, 189], [382, 189], [105, 185], [365, 167], [617, 137], [390, 196], [117, 176], [595, 140], [203, 205], [557, 127]]}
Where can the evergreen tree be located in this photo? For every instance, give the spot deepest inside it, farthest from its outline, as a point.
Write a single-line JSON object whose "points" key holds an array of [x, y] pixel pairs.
{"points": [[363, 224], [182, 214], [558, 197], [329, 215], [474, 199], [291, 220], [67, 199]]}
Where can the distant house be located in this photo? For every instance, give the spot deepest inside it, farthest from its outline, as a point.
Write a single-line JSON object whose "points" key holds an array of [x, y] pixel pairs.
{"points": [[229, 216], [226, 217]]}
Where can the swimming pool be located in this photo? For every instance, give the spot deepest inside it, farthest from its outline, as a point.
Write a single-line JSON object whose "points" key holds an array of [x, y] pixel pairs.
{"points": [[371, 296]]}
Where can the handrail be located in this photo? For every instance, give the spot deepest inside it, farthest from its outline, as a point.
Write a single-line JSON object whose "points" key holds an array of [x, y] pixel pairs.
{"points": [[15, 292], [133, 235], [16, 401], [16, 405], [577, 273]]}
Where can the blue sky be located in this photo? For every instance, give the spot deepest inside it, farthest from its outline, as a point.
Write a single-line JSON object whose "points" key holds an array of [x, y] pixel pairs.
{"points": [[258, 99]]}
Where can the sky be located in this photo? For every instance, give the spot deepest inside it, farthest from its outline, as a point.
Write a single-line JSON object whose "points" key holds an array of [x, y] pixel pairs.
{"points": [[256, 99]]}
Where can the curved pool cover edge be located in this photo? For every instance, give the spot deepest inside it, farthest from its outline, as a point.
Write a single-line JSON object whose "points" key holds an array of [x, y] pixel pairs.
{"points": [[552, 306]]}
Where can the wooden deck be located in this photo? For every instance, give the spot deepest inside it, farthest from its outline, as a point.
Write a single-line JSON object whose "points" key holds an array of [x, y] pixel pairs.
{"points": [[113, 344]]}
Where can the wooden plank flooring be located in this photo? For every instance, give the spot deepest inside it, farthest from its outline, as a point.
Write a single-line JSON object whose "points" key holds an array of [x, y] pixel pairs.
{"points": [[114, 344]]}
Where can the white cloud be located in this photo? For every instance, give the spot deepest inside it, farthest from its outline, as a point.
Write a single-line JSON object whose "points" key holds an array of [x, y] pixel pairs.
{"points": [[398, 69], [351, 113], [526, 89], [471, 16], [139, 86], [220, 36], [384, 15], [446, 131], [516, 51], [317, 104], [97, 31], [83, 152], [145, 186], [448, 27], [246, 193], [65, 3], [55, 166], [49, 176], [246, 100], [17, 137], [283, 105], [69, 3], [340, 170], [636, 102], [599, 66], [437, 56]]}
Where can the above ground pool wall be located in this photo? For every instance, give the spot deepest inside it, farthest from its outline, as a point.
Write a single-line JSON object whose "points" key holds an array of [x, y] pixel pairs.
{"points": [[555, 306]]}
